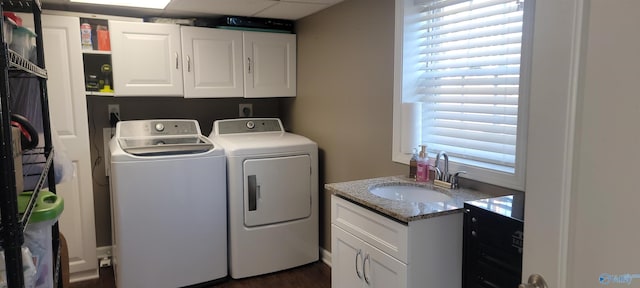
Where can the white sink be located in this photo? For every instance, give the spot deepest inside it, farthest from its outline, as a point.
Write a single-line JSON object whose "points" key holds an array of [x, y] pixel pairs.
{"points": [[409, 193]]}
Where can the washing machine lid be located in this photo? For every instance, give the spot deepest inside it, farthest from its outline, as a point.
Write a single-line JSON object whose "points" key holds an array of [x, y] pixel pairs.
{"points": [[165, 146], [161, 137]]}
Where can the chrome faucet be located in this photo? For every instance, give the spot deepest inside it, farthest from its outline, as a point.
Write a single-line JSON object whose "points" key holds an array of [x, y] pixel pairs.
{"points": [[442, 175]]}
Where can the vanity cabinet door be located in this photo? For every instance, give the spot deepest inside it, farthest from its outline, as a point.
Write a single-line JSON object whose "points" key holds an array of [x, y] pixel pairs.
{"points": [[346, 250], [382, 270], [358, 264]]}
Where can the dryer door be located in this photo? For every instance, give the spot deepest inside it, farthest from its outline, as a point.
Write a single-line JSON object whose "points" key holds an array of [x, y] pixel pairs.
{"points": [[276, 189]]}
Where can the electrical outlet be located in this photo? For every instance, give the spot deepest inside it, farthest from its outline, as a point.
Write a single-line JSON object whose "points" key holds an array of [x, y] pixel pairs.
{"points": [[113, 109], [105, 262], [245, 110]]}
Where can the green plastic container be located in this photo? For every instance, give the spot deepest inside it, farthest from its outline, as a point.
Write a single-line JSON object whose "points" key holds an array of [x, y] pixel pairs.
{"points": [[37, 236]]}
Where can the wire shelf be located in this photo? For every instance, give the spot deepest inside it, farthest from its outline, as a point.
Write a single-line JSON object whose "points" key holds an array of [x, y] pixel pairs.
{"points": [[20, 63], [21, 5]]}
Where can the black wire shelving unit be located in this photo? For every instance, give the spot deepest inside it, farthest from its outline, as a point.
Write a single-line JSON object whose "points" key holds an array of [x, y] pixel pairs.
{"points": [[13, 223]]}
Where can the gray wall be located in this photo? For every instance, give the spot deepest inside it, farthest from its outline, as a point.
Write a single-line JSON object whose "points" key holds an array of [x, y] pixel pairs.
{"points": [[203, 110], [345, 94], [344, 103]]}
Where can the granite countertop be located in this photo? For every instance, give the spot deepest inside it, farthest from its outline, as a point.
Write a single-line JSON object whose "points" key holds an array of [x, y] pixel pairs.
{"points": [[403, 211]]}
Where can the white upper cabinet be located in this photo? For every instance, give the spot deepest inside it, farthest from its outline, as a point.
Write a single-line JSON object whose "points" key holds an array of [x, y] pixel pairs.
{"points": [[146, 59], [151, 59], [212, 63], [270, 64]]}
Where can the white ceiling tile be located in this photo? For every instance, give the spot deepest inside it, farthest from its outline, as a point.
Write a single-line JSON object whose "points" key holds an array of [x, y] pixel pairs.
{"points": [[281, 9]]}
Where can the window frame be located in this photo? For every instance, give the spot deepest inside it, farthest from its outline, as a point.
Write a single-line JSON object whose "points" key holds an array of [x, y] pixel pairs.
{"points": [[404, 9]]}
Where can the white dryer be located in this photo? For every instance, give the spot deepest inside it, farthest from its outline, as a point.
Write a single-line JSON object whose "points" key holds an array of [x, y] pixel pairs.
{"points": [[168, 193], [272, 181]]}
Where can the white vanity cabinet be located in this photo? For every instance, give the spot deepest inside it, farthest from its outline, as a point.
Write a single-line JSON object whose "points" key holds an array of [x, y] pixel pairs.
{"points": [[146, 59], [372, 250]]}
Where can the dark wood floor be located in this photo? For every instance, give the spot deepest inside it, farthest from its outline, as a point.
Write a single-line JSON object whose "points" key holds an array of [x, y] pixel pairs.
{"points": [[315, 275]]}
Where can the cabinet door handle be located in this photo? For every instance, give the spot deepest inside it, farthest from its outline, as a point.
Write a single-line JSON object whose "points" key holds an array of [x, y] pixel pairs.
{"points": [[358, 255], [188, 63], [177, 60], [364, 268], [249, 65]]}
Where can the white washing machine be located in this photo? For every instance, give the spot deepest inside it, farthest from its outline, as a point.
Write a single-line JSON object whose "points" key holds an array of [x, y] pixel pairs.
{"points": [[272, 180], [168, 193]]}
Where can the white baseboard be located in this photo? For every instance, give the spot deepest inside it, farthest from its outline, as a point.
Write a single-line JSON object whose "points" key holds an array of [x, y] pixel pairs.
{"points": [[79, 276], [325, 256], [106, 252], [84, 276]]}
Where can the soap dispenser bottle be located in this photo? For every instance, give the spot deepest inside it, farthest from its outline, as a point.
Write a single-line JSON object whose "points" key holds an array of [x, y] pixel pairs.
{"points": [[413, 164], [422, 173]]}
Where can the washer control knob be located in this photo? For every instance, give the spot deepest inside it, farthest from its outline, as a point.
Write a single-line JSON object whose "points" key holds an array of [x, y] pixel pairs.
{"points": [[159, 127], [250, 124]]}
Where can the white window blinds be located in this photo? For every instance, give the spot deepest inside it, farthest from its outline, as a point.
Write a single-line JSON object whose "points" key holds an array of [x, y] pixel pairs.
{"points": [[469, 79]]}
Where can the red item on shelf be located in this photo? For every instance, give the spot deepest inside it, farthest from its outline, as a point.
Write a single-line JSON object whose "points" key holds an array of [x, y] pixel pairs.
{"points": [[13, 17], [104, 43]]}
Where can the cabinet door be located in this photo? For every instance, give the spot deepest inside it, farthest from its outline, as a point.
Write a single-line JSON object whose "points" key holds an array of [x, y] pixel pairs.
{"points": [[212, 62], [382, 271], [345, 249], [355, 263], [146, 59], [68, 109], [270, 64]]}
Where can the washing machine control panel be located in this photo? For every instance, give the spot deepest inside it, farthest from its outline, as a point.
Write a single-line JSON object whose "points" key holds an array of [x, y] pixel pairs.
{"points": [[146, 128], [251, 125]]}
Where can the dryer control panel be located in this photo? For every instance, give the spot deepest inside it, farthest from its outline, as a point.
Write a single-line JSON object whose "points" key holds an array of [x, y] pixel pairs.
{"points": [[247, 125]]}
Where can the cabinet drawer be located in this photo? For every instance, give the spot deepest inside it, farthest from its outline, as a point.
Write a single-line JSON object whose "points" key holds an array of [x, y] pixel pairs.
{"points": [[381, 232]]}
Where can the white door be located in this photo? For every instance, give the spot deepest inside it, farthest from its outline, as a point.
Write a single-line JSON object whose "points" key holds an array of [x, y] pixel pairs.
{"points": [[68, 109], [582, 188], [212, 62], [146, 59], [276, 189], [270, 64]]}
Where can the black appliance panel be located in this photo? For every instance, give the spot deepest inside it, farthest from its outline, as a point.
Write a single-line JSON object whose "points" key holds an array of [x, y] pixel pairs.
{"points": [[492, 243]]}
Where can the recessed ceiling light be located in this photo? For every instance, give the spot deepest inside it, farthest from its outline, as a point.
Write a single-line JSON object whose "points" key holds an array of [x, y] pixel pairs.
{"points": [[154, 4]]}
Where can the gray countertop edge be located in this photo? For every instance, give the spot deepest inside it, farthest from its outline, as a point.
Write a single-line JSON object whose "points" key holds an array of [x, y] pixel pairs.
{"points": [[402, 211]]}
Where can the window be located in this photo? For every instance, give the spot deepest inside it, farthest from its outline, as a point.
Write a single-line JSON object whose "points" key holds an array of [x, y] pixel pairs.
{"points": [[463, 85]]}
